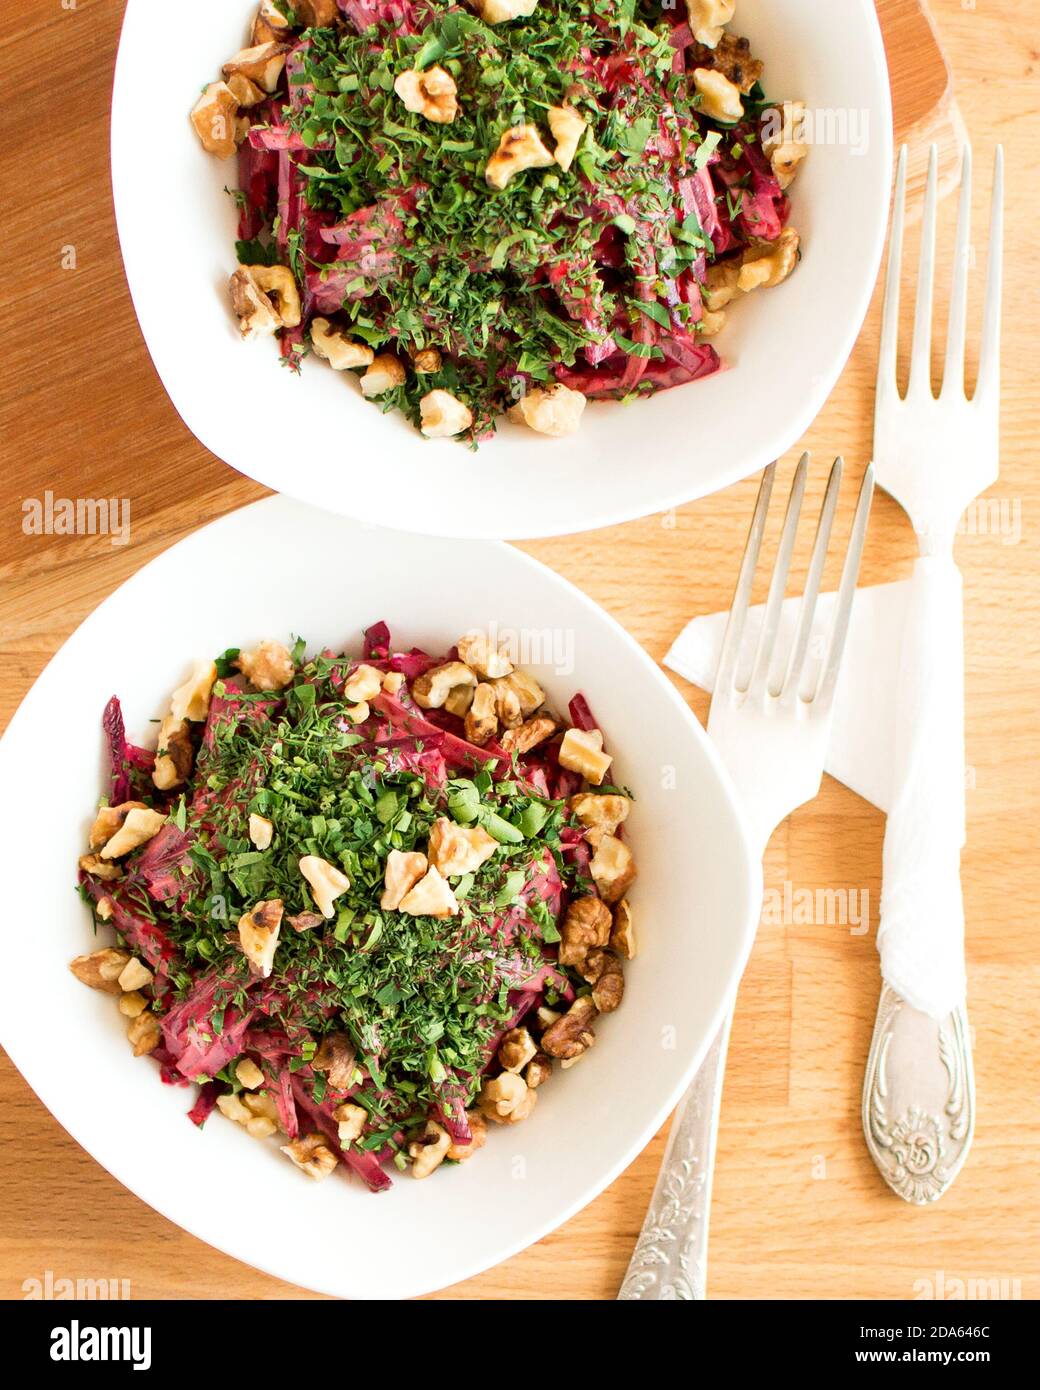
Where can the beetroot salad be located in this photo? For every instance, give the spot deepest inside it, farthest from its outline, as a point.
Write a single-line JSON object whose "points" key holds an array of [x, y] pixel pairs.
{"points": [[507, 206], [364, 904]]}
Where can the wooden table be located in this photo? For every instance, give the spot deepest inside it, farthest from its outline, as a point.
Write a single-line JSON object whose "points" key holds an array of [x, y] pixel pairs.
{"points": [[799, 1209]]}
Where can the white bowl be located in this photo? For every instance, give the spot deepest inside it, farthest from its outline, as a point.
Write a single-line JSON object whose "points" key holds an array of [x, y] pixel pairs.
{"points": [[696, 902], [316, 439]]}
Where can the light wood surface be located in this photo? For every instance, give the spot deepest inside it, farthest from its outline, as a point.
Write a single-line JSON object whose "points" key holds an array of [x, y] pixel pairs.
{"points": [[799, 1209]]}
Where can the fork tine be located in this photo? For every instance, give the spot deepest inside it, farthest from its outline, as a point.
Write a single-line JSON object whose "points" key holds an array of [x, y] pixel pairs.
{"points": [[792, 677], [778, 583], [846, 593], [890, 318], [953, 370], [921, 352], [742, 595], [989, 352]]}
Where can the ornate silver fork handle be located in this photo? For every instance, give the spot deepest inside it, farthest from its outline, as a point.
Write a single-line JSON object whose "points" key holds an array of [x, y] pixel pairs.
{"points": [[671, 1256], [918, 1098], [773, 740]]}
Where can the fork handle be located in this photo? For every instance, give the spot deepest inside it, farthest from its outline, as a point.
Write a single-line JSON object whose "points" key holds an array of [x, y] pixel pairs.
{"points": [[918, 1093], [921, 931], [670, 1262]]}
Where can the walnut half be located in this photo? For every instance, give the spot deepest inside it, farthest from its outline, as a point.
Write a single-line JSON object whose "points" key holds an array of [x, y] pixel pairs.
{"points": [[431, 93], [519, 148], [572, 1034]]}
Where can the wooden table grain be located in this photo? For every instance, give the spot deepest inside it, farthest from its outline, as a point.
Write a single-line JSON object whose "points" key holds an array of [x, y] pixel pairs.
{"points": [[799, 1209]]}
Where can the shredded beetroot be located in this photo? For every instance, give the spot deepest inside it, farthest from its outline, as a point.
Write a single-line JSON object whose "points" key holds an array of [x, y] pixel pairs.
{"points": [[377, 642], [203, 1107], [131, 767], [162, 862]]}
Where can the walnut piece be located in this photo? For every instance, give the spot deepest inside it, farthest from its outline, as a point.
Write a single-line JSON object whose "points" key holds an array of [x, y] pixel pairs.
{"points": [[232, 1108], [245, 92], [783, 141], [270, 24], [351, 1120], [384, 374], [258, 931], [431, 897], [256, 1113], [613, 868], [268, 667], [316, 14], [586, 924], [481, 714], [108, 821], [402, 872], [249, 1074], [552, 410], [506, 1099], [539, 1069], [768, 263], [336, 348], [567, 127], [720, 286], [132, 1004], [139, 826], [364, 683], [501, 11], [430, 1150], [529, 693], [101, 969], [507, 705], [94, 865], [582, 751], [431, 689], [459, 700], [443, 415], [622, 934], [732, 57], [262, 64], [431, 93], [312, 1156], [336, 1056], [572, 1034], [528, 735], [264, 299], [455, 849], [327, 883], [174, 754], [519, 148], [144, 1033], [711, 322], [483, 656], [720, 98], [135, 975], [261, 831], [707, 18], [600, 811], [215, 118], [305, 921], [516, 1049], [192, 699], [604, 972]]}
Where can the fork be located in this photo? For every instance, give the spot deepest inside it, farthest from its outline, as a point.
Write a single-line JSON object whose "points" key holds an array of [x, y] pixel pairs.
{"points": [[770, 717], [934, 455]]}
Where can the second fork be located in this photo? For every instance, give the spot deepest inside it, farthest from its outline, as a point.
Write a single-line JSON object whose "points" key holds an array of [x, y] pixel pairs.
{"points": [[770, 717]]}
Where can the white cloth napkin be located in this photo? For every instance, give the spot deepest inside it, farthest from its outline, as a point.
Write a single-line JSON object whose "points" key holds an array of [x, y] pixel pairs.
{"points": [[920, 938]]}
